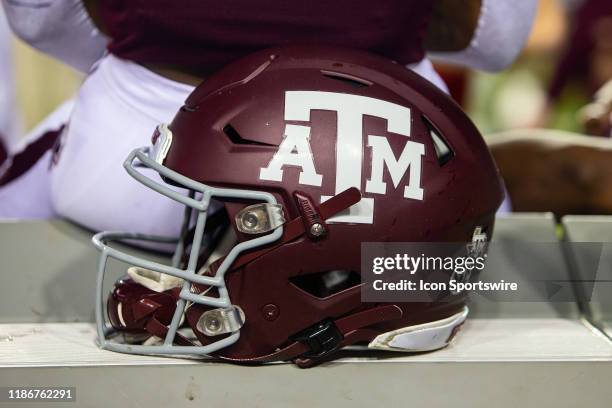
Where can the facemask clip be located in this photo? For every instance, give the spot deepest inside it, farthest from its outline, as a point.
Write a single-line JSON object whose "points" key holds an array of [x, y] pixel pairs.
{"points": [[221, 321], [260, 218]]}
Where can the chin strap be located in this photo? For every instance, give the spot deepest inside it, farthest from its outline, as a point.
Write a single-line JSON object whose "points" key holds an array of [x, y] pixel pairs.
{"points": [[306, 349], [154, 310], [158, 329], [314, 344]]}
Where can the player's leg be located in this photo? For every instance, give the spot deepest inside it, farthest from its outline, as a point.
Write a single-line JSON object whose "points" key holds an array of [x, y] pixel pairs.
{"points": [[117, 110], [25, 175]]}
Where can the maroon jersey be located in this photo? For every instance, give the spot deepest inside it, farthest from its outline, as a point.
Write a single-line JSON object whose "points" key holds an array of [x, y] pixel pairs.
{"points": [[207, 34]]}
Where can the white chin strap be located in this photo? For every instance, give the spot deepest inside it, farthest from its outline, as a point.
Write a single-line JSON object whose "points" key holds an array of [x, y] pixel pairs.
{"points": [[161, 282], [153, 341], [423, 337], [155, 281]]}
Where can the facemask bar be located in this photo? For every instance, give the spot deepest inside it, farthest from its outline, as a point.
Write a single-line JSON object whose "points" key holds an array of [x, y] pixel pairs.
{"points": [[189, 275]]}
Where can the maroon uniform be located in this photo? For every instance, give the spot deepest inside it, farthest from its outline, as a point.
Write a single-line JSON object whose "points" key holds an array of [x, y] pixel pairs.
{"points": [[208, 34]]}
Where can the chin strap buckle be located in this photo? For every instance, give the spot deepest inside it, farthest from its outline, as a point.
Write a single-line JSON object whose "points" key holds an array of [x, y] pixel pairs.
{"points": [[322, 339]]}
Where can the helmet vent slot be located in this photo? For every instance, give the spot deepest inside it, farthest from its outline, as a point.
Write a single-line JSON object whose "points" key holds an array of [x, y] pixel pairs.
{"points": [[346, 78], [235, 137], [444, 153], [328, 283], [189, 108]]}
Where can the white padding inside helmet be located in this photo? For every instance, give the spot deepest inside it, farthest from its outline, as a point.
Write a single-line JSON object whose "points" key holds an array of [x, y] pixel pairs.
{"points": [[423, 337], [155, 281], [153, 341]]}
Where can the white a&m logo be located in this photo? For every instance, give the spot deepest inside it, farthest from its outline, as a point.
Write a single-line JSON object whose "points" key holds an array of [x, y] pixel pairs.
{"points": [[295, 148]]}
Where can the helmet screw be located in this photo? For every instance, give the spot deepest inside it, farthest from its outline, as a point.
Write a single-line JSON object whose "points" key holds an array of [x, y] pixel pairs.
{"points": [[270, 312], [250, 220], [317, 230], [213, 324]]}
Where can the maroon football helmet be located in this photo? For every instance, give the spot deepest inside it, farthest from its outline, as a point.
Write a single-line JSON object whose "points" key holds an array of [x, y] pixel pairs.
{"points": [[289, 160]]}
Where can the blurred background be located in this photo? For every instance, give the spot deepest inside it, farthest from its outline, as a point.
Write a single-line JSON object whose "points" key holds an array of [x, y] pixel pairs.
{"points": [[42, 83], [568, 57]]}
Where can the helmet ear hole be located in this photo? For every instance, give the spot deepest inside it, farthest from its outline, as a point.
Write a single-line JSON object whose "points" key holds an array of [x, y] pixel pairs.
{"points": [[328, 283]]}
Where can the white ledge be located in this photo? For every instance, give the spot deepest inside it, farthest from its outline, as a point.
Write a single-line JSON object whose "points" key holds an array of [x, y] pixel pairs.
{"points": [[481, 340]]}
